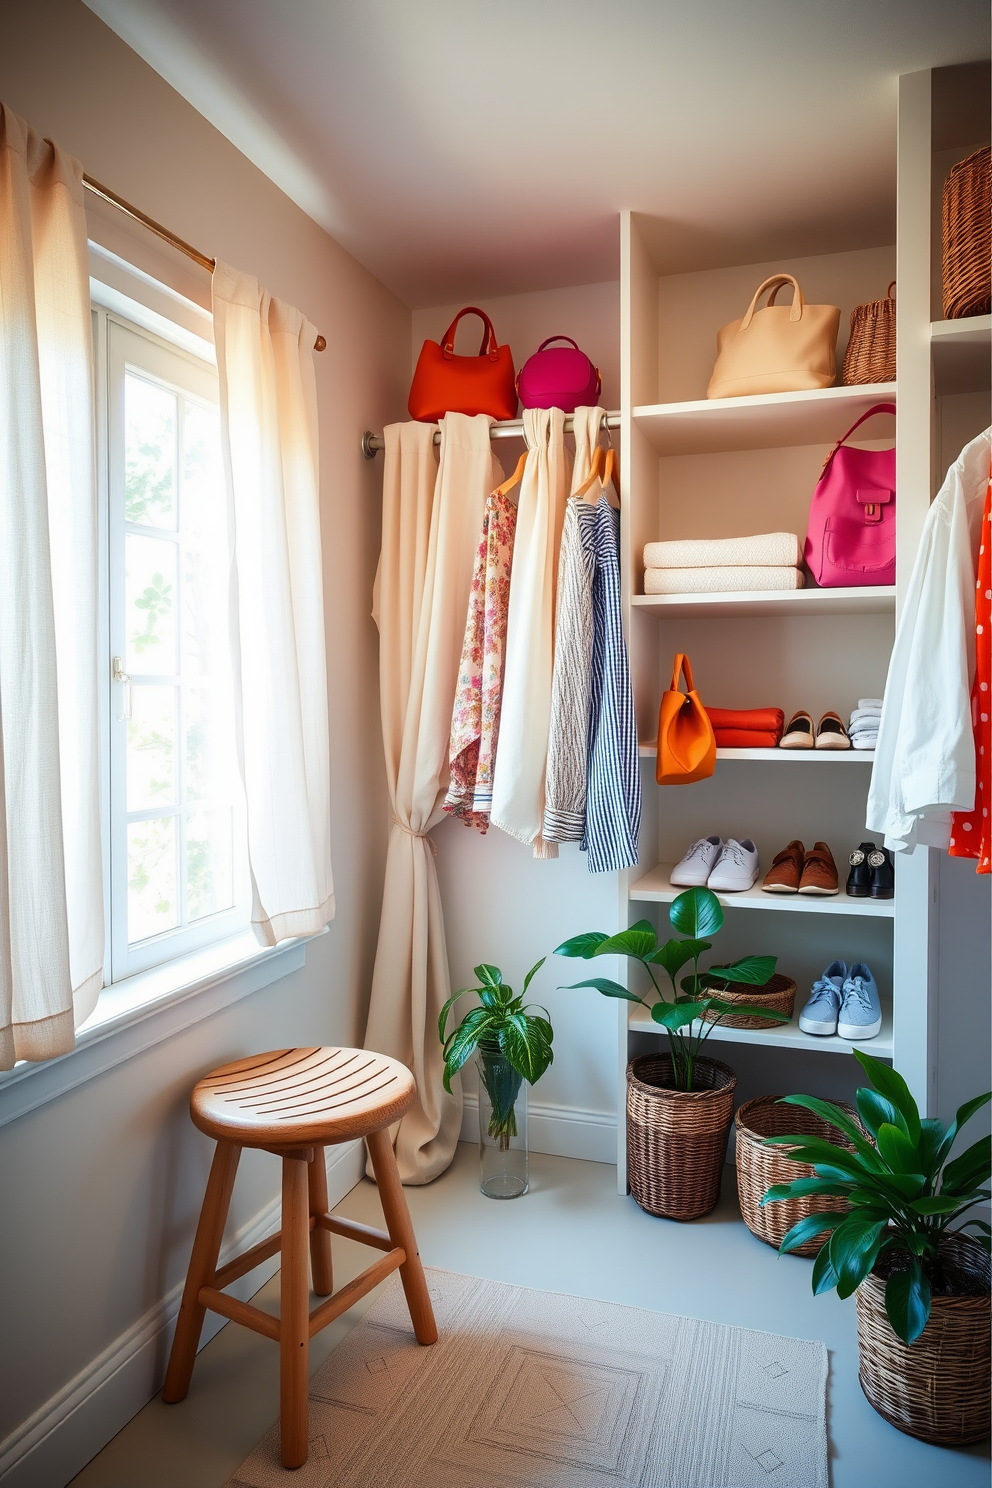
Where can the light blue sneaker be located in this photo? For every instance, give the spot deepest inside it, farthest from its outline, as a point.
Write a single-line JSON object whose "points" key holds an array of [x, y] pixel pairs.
{"points": [[860, 1015], [819, 1016]]}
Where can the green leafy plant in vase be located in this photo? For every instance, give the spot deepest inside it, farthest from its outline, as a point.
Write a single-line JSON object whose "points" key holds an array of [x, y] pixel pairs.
{"points": [[512, 1044], [697, 914], [900, 1247]]}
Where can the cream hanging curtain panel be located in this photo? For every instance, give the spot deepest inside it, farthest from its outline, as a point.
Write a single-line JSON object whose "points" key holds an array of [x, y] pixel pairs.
{"points": [[269, 433], [431, 519], [51, 876]]}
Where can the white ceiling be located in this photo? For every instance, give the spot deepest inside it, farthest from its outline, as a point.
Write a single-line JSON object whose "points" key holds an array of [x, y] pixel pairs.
{"points": [[459, 148]]}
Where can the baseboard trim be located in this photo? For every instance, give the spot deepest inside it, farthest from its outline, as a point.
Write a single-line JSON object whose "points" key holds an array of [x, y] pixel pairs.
{"points": [[561, 1131], [58, 1440]]}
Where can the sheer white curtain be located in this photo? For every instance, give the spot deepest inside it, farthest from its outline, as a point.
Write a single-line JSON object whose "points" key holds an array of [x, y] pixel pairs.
{"points": [[269, 433], [431, 520], [51, 878]]}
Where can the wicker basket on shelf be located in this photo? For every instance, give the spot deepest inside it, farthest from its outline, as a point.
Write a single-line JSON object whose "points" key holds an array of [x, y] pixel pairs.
{"points": [[758, 1167], [677, 1139], [937, 1388], [871, 349], [778, 994], [967, 210]]}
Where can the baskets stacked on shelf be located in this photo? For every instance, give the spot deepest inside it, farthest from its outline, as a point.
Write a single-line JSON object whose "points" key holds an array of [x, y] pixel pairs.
{"points": [[759, 1166], [967, 209], [871, 349]]}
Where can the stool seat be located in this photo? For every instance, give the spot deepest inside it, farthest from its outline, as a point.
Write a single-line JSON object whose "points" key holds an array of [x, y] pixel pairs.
{"points": [[294, 1103], [296, 1097]]}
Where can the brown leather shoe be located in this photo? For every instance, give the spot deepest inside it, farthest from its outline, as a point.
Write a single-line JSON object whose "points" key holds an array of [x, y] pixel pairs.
{"points": [[819, 871], [786, 870]]}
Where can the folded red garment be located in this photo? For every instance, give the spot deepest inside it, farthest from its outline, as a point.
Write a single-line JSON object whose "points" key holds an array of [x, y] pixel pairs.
{"points": [[728, 738], [763, 720]]}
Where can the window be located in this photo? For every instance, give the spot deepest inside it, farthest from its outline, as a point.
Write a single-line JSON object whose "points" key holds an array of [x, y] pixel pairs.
{"points": [[176, 833]]}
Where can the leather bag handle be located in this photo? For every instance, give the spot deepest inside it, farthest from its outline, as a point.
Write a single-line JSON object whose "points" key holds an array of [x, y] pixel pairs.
{"points": [[488, 346], [878, 408], [572, 343], [775, 283], [681, 665]]}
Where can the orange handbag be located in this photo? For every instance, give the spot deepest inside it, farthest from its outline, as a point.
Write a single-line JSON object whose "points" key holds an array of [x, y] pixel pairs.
{"points": [[445, 383], [686, 743]]}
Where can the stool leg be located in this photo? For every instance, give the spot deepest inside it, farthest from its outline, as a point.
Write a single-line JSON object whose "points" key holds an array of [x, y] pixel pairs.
{"points": [[320, 1240], [400, 1227], [294, 1312], [202, 1266]]}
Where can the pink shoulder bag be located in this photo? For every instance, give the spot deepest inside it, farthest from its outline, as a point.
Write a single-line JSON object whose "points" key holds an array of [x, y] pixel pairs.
{"points": [[851, 539]]}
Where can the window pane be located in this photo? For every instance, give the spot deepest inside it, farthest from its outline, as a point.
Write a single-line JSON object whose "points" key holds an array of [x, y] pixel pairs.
{"points": [[205, 546], [151, 878], [211, 765], [150, 600], [150, 453], [151, 748], [209, 862]]}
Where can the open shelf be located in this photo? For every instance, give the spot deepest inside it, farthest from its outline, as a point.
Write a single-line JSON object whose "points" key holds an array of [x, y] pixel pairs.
{"points": [[783, 756], [962, 354], [765, 421], [782, 1036], [876, 599], [656, 887]]}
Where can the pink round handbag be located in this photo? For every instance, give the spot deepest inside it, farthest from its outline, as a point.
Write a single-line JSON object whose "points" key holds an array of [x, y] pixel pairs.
{"points": [[851, 538], [560, 377]]}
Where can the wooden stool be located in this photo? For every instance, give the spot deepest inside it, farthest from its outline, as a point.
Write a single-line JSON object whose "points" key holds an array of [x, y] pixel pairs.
{"points": [[294, 1102]]}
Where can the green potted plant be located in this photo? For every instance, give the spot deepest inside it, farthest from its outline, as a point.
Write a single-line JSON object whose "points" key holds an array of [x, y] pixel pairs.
{"points": [[922, 1284], [679, 1104], [512, 1044]]}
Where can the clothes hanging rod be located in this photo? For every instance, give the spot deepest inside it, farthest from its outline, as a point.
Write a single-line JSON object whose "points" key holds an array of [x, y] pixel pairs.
{"points": [[509, 429], [162, 232]]}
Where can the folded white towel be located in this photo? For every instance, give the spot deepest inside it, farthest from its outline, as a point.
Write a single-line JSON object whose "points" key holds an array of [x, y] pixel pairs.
{"points": [[875, 703], [869, 716], [765, 550], [864, 741], [719, 580]]}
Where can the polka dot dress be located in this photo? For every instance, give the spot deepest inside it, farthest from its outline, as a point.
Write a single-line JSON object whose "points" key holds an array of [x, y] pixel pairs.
{"points": [[971, 833]]}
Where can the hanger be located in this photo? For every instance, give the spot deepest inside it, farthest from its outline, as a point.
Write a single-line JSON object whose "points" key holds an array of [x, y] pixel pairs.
{"points": [[596, 473], [514, 479]]}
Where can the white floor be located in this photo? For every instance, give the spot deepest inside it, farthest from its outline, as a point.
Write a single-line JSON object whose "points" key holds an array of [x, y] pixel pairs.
{"points": [[573, 1234]]}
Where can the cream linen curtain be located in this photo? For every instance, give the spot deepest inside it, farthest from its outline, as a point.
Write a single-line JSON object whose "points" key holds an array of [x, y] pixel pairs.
{"points": [[51, 877], [521, 758], [431, 519], [269, 434], [585, 431]]}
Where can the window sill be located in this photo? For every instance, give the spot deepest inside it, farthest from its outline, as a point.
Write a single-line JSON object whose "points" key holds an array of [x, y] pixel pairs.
{"points": [[135, 1014]]}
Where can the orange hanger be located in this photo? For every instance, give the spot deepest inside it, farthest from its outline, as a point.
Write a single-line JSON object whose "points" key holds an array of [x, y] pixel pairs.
{"points": [[596, 473], [611, 475], [508, 485]]}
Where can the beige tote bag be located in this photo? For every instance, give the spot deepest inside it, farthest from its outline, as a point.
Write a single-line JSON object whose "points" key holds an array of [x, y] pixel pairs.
{"points": [[780, 349]]}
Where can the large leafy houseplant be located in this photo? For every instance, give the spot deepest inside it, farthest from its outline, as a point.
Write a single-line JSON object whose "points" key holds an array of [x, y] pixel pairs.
{"points": [[904, 1191], [513, 1043], [696, 913]]}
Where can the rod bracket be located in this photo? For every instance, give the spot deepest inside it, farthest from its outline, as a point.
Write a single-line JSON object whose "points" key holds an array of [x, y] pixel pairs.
{"points": [[369, 443]]}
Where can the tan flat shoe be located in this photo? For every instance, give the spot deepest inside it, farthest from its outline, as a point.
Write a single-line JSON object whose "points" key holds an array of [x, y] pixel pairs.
{"points": [[819, 871], [831, 733], [799, 732]]}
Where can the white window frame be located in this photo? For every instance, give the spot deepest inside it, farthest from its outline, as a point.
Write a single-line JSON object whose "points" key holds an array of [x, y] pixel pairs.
{"points": [[121, 344]]}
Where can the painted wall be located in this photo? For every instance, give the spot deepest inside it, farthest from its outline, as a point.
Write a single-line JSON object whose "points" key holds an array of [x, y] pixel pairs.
{"points": [[100, 1188]]}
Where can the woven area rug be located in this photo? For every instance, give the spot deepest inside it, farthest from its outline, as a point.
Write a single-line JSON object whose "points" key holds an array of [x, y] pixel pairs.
{"points": [[528, 1389]]}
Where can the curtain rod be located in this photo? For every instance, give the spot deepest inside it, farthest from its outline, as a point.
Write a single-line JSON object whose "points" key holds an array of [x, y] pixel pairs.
{"points": [[510, 429], [163, 232]]}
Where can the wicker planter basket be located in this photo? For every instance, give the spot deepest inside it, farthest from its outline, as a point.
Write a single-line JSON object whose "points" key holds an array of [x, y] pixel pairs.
{"points": [[676, 1139], [871, 350], [758, 1167], [778, 994], [937, 1388], [967, 208]]}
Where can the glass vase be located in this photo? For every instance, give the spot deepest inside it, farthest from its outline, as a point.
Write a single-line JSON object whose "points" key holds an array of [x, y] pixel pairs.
{"points": [[502, 1127]]}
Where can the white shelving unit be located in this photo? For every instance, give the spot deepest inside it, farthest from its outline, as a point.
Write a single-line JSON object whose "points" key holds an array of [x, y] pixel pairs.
{"points": [[767, 421], [755, 603], [656, 887], [782, 756], [783, 1036]]}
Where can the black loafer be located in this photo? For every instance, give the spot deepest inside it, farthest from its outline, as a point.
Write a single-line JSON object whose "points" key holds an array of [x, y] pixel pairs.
{"points": [[859, 878], [883, 874]]}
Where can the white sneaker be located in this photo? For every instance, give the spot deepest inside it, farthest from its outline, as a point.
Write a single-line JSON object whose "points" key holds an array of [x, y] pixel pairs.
{"points": [[696, 866], [736, 868]]}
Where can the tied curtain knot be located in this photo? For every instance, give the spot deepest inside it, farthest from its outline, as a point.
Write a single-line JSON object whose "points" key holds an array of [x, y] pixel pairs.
{"points": [[411, 833]]}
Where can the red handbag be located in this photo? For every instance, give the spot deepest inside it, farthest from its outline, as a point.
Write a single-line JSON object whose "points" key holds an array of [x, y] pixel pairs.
{"points": [[445, 383]]}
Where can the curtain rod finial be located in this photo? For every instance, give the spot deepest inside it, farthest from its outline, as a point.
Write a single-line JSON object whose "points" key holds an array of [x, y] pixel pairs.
{"points": [[320, 344], [370, 445]]}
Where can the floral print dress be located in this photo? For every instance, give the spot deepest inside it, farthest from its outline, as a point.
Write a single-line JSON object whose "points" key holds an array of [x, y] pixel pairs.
{"points": [[971, 833], [475, 718]]}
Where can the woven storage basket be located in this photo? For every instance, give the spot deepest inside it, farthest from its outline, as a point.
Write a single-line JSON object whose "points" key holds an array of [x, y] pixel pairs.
{"points": [[967, 209], [758, 1167], [937, 1388], [778, 993], [871, 349], [677, 1139]]}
